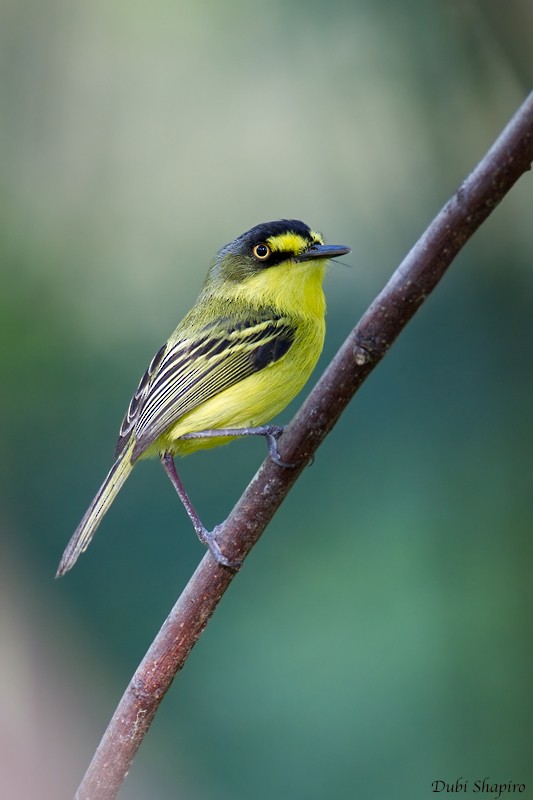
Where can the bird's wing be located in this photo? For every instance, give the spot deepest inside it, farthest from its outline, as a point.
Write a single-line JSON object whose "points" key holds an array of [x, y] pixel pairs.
{"points": [[187, 372]]}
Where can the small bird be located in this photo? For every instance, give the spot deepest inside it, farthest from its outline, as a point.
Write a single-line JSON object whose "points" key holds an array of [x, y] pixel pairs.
{"points": [[240, 355]]}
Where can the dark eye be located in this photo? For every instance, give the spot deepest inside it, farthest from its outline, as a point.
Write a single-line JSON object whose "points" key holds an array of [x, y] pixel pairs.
{"points": [[261, 251]]}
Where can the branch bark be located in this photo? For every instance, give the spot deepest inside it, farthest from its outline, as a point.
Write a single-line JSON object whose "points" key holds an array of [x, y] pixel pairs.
{"points": [[409, 286]]}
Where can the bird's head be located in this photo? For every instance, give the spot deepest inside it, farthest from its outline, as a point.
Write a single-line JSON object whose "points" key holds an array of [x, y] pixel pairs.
{"points": [[279, 262]]}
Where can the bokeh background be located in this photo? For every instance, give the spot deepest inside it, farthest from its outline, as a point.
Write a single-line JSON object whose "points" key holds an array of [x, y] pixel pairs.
{"points": [[379, 636]]}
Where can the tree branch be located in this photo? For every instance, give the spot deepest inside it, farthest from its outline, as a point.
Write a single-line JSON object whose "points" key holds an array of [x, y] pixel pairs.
{"points": [[413, 281]]}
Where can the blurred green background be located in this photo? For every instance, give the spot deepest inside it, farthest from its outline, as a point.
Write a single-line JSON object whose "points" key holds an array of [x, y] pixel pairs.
{"points": [[379, 636]]}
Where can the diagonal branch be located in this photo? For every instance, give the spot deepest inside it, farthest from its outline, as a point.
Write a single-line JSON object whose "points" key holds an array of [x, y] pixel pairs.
{"points": [[413, 281]]}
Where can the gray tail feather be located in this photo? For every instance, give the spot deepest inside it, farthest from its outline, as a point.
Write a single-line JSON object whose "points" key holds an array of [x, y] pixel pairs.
{"points": [[85, 531]]}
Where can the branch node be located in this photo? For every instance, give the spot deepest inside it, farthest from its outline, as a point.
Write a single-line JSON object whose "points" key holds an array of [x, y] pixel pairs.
{"points": [[365, 351], [361, 356]]}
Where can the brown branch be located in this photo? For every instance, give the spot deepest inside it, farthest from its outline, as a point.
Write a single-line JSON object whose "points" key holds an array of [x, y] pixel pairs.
{"points": [[366, 345]]}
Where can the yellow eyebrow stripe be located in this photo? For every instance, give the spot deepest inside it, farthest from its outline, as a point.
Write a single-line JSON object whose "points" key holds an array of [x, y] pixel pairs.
{"points": [[292, 242]]}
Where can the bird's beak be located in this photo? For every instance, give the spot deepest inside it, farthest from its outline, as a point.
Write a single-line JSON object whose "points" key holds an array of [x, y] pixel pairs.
{"points": [[323, 251]]}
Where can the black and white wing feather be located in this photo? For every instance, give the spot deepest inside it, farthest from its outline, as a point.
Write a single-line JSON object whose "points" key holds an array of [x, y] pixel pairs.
{"points": [[189, 371]]}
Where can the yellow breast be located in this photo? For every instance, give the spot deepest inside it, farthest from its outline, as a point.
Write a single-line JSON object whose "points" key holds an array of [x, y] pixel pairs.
{"points": [[255, 400]]}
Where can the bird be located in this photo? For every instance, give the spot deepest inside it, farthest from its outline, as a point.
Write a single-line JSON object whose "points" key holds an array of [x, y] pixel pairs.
{"points": [[239, 356]]}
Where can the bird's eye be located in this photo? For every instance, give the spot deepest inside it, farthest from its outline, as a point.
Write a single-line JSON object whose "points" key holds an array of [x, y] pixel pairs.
{"points": [[261, 251]]}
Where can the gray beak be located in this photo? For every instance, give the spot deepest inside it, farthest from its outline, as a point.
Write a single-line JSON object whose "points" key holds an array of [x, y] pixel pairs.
{"points": [[323, 251]]}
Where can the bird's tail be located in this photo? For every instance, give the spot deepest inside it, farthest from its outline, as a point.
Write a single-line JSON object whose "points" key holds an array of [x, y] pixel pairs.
{"points": [[106, 494]]}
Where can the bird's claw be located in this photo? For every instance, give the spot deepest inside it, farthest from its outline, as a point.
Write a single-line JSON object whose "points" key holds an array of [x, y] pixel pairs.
{"points": [[209, 538]]}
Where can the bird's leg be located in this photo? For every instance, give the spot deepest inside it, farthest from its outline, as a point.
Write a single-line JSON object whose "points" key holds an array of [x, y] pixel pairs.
{"points": [[206, 537], [270, 432]]}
